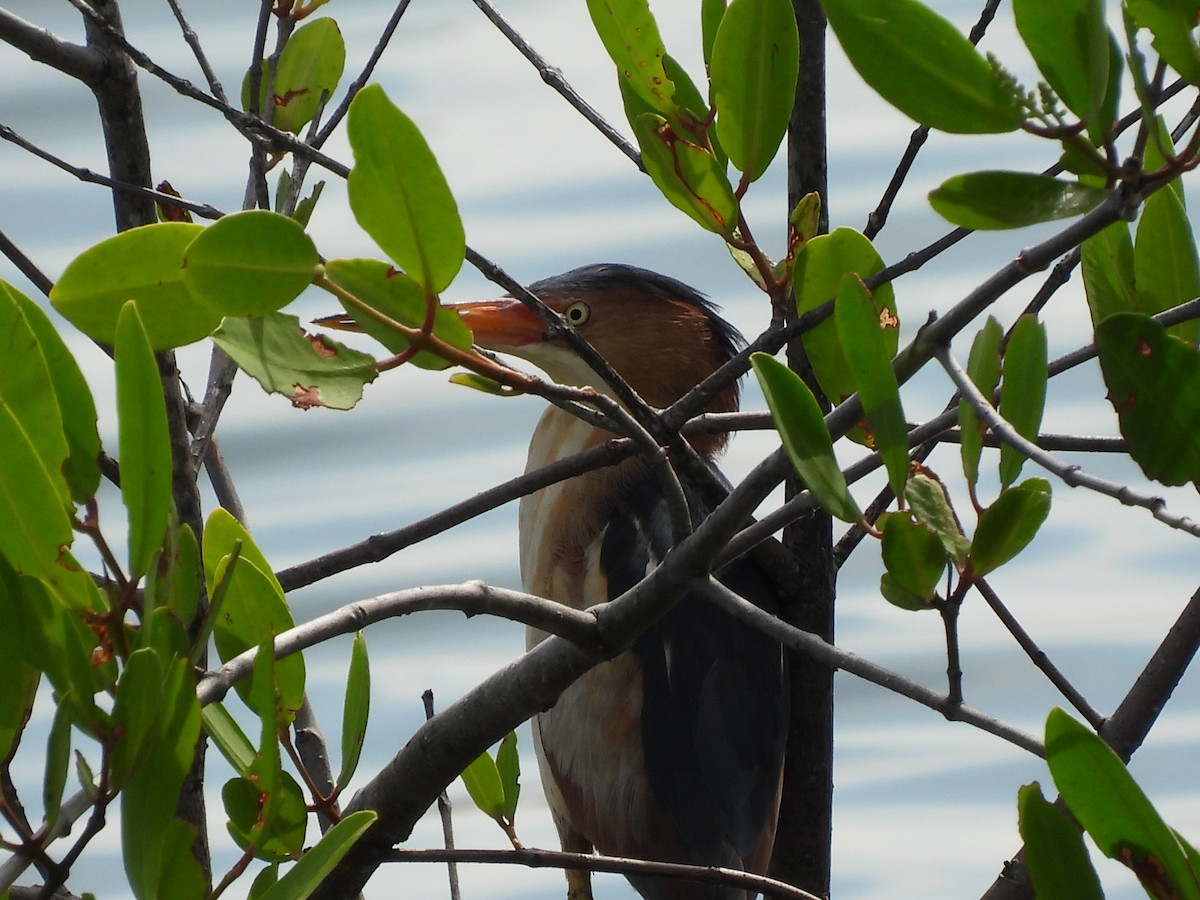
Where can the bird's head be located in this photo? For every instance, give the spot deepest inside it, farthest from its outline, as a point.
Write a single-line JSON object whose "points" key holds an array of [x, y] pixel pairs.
{"points": [[657, 333]]}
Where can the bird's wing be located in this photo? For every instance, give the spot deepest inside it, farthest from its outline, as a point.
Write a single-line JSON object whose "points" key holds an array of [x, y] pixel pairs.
{"points": [[714, 712]]}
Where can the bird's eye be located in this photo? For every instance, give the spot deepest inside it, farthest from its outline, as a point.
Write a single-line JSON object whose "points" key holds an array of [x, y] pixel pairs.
{"points": [[577, 313]]}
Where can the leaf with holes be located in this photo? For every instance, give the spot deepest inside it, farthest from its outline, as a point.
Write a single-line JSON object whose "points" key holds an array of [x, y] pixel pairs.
{"points": [[310, 370], [1154, 385], [630, 35], [865, 334], [689, 176], [822, 264], [309, 66], [927, 498]]}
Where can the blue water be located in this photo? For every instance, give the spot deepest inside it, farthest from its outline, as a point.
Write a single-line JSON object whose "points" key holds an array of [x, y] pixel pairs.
{"points": [[923, 808]]}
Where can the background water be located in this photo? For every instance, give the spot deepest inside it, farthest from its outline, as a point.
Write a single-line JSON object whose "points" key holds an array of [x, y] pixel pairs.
{"points": [[923, 808]]}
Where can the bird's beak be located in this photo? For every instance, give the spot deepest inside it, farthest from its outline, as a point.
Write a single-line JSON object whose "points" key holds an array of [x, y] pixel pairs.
{"points": [[504, 324]]}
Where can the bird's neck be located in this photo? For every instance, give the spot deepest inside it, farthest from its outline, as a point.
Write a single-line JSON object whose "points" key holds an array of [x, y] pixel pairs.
{"points": [[574, 512]]}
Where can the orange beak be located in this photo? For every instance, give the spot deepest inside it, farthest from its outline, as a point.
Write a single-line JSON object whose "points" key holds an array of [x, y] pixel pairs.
{"points": [[501, 324]]}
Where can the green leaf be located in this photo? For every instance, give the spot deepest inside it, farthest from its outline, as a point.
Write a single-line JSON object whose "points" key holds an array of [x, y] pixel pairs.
{"points": [[229, 737], [1112, 808], [1023, 392], [899, 596], [688, 116], [144, 441], [689, 176], [304, 209], [310, 370], [927, 498], [508, 764], [54, 638], [144, 265], [482, 781], [1155, 156], [630, 35], [1107, 264], [58, 762], [996, 200], [310, 64], [1069, 42], [913, 556], [250, 263], [865, 336], [754, 66], [77, 410], [1008, 526], [355, 710], [822, 264], [222, 531], [398, 297], [1173, 23], [180, 877], [254, 613], [152, 840], [1166, 268], [805, 436], [274, 836], [1054, 850], [399, 195], [16, 674], [983, 367], [136, 712], [711, 13], [184, 589], [919, 63], [34, 524], [312, 869], [1154, 385], [27, 387]]}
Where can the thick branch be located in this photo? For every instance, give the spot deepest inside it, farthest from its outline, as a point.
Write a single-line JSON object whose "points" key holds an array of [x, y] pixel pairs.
{"points": [[44, 46]]}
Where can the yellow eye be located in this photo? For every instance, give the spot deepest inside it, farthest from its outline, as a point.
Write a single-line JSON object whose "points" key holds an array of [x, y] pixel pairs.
{"points": [[577, 313]]}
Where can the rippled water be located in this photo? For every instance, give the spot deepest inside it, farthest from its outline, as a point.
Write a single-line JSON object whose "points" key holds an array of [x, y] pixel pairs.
{"points": [[923, 808]]}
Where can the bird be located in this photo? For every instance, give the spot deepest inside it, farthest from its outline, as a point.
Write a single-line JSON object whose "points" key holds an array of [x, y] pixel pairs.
{"points": [[673, 750]]}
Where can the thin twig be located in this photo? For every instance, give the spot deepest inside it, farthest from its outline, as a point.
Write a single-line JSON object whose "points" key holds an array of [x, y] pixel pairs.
{"points": [[443, 804], [1038, 656], [557, 859], [193, 41], [554, 77], [203, 210], [364, 76], [812, 645], [1072, 475]]}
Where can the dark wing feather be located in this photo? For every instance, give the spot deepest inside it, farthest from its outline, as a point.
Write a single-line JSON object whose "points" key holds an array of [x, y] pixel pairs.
{"points": [[714, 714]]}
